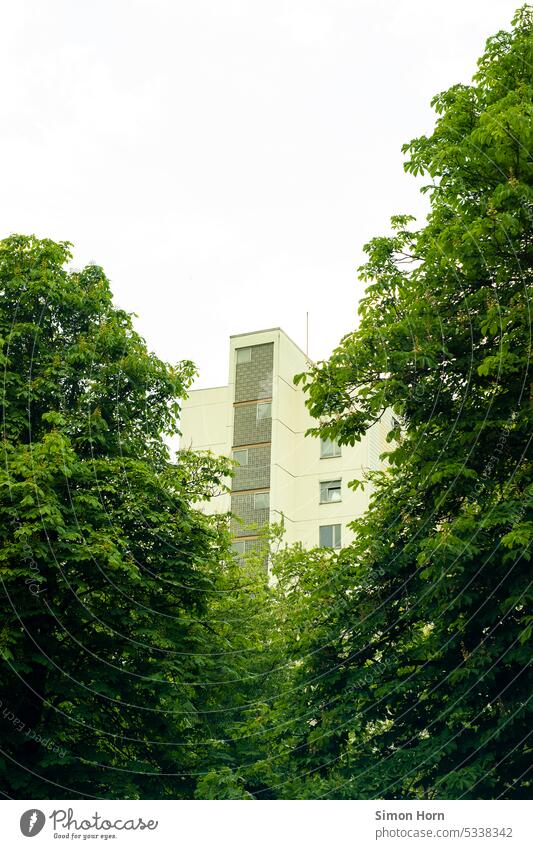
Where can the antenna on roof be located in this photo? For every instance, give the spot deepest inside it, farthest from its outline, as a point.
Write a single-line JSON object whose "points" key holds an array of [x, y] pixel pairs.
{"points": [[307, 334]]}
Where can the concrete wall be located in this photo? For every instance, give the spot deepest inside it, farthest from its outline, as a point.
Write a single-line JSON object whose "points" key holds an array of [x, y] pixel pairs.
{"points": [[297, 467], [280, 456], [206, 425]]}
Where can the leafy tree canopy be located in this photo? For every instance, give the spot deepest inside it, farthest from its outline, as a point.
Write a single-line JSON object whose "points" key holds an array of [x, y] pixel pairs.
{"points": [[141, 660], [107, 570], [414, 679]]}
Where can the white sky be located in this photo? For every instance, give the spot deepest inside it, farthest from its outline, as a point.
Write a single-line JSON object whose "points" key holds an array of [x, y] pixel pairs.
{"points": [[206, 150]]}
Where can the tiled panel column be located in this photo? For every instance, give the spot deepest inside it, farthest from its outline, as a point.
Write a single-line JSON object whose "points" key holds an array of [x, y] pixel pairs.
{"points": [[248, 519], [247, 428], [256, 473], [252, 429], [253, 379]]}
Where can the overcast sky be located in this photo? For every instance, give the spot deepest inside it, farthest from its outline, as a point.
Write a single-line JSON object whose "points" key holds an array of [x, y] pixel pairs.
{"points": [[224, 160]]}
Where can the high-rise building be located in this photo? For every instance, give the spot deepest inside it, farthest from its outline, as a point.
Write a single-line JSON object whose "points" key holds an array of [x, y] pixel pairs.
{"points": [[260, 420]]}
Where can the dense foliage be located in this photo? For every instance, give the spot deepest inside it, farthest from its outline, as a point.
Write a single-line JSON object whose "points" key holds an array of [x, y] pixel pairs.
{"points": [[414, 644], [139, 659], [107, 569]]}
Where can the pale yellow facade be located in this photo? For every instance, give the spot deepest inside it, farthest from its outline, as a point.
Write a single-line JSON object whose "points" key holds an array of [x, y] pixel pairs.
{"points": [[299, 475]]}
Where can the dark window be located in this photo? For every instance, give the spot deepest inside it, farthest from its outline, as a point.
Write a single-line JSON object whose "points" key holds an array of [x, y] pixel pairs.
{"points": [[329, 448], [261, 500], [330, 491], [264, 411], [330, 536], [241, 456]]}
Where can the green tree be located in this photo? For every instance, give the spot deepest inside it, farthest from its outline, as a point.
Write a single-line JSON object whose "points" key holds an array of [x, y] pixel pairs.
{"points": [[413, 679], [107, 569], [249, 615]]}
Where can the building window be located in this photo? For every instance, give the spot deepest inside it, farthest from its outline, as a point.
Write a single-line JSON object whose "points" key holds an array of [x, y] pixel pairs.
{"points": [[238, 546], [244, 355], [330, 536], [264, 411], [329, 448], [261, 500], [330, 491], [241, 456]]}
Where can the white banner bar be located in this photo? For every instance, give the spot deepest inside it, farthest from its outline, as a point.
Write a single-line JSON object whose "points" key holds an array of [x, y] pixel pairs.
{"points": [[267, 825]]}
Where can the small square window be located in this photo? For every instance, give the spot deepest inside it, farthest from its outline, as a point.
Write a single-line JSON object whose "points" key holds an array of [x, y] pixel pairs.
{"points": [[261, 500], [244, 355], [238, 546], [241, 456], [330, 536], [329, 448], [264, 411], [330, 491]]}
